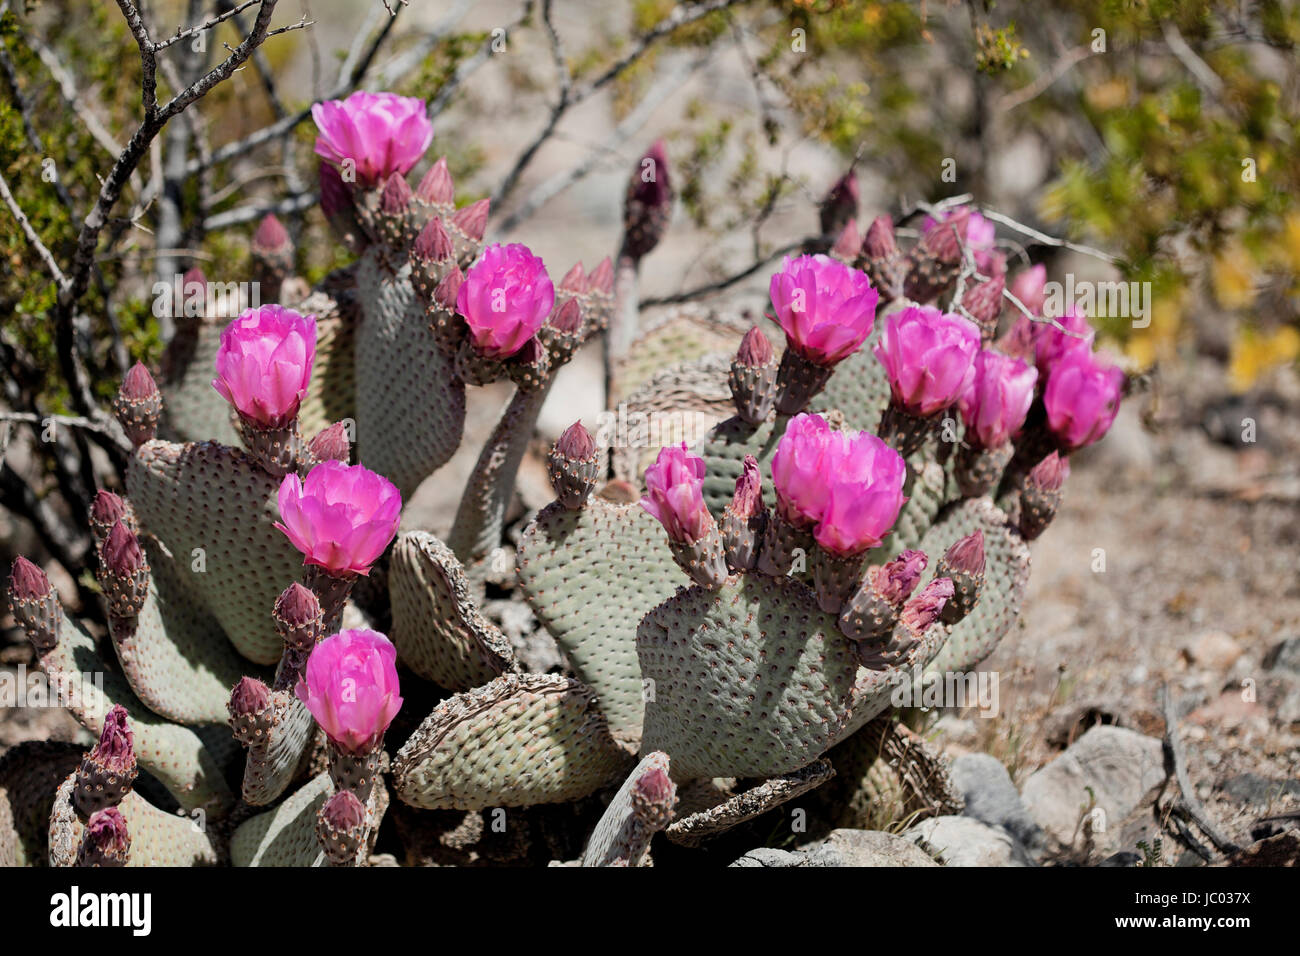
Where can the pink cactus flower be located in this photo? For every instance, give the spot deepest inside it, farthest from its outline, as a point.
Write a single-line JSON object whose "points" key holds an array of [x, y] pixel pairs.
{"points": [[1051, 344], [1028, 287], [372, 134], [895, 580], [264, 364], [863, 493], [674, 494], [1082, 399], [351, 688], [341, 518], [997, 400], [825, 307], [505, 299], [929, 357], [798, 472], [923, 609]]}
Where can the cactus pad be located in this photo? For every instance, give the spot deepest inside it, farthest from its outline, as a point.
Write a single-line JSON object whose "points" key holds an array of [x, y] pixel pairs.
{"points": [[157, 838], [620, 839], [30, 773], [698, 827], [523, 739], [590, 575]]}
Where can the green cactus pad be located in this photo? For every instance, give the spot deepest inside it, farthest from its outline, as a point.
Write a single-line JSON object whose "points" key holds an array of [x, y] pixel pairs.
{"points": [[698, 827], [269, 769], [858, 388], [724, 450], [590, 575], [619, 838], [30, 774], [331, 394], [437, 627], [925, 493], [175, 656], [1006, 575], [193, 409], [219, 500], [410, 404], [285, 836], [157, 838], [185, 762], [521, 740], [690, 333], [754, 680]]}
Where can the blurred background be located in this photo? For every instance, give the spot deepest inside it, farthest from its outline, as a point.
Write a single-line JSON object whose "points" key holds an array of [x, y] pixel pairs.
{"points": [[1162, 133]]}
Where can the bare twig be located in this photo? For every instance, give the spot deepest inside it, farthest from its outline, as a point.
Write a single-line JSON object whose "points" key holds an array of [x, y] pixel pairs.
{"points": [[1210, 81], [33, 240], [253, 211], [1176, 767], [1063, 65], [721, 285], [1043, 239], [232, 11]]}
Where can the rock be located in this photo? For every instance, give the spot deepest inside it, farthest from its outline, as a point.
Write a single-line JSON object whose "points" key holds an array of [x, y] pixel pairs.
{"points": [[1256, 790], [992, 798], [1120, 767], [1214, 650], [963, 841], [1280, 850], [843, 848], [1123, 858], [1285, 657]]}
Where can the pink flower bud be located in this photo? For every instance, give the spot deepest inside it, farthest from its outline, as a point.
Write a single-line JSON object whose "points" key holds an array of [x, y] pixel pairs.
{"points": [[437, 187], [249, 697], [929, 357], [343, 811], [978, 234], [331, 444], [1019, 340], [748, 498], [576, 444], [264, 364], [602, 277], [924, 609], [825, 307], [568, 318], [335, 196], [574, 280], [121, 552], [270, 237], [27, 582], [396, 197], [1050, 473], [297, 606], [373, 134], [1052, 344], [351, 688], [341, 517], [107, 508], [433, 244], [194, 276], [1082, 399], [674, 494], [505, 299], [967, 555], [997, 400], [879, 242], [105, 837], [840, 204], [115, 750], [849, 242], [1028, 287], [755, 350], [472, 220], [895, 580], [138, 385], [983, 301], [449, 288]]}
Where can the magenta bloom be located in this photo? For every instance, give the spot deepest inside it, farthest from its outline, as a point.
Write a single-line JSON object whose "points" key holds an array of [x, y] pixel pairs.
{"points": [[825, 307], [264, 364], [341, 518], [674, 494], [1028, 287], [929, 357], [1082, 399], [798, 474], [864, 493], [381, 133], [1051, 344], [350, 687], [997, 400], [505, 299]]}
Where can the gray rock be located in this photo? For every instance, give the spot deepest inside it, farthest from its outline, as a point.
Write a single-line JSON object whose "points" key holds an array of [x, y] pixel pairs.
{"points": [[963, 841], [1120, 767], [1285, 657], [992, 798], [843, 848], [1260, 791]]}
